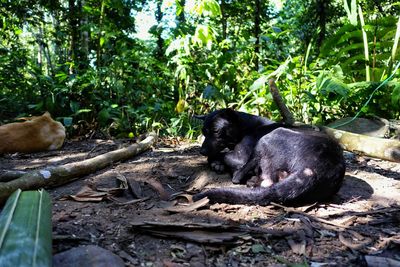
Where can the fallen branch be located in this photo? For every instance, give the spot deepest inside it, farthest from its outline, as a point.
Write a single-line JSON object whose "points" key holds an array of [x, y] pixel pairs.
{"points": [[54, 176], [387, 149], [287, 116], [8, 175], [317, 219]]}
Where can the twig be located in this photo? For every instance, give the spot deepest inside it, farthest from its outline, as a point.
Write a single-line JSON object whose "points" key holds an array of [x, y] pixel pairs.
{"points": [[287, 116], [133, 201], [292, 210], [363, 213]]}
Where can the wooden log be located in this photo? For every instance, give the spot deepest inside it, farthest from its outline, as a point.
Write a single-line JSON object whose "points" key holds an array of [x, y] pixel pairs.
{"points": [[387, 149]]}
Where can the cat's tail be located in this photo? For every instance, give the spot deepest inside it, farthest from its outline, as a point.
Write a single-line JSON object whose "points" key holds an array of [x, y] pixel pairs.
{"points": [[295, 189], [235, 195]]}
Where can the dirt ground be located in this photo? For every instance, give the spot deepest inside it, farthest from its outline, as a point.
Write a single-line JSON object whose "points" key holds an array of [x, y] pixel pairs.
{"points": [[133, 209]]}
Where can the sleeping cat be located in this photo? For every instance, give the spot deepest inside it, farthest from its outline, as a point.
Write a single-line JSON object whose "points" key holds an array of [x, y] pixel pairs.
{"points": [[294, 165]]}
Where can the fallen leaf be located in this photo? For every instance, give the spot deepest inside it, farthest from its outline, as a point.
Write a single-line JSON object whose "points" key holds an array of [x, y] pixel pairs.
{"points": [[189, 207], [355, 241], [87, 194], [123, 182], [90, 193], [158, 187], [135, 188]]}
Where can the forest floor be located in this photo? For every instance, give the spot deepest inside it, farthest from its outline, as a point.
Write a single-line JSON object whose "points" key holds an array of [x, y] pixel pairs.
{"points": [[127, 209]]}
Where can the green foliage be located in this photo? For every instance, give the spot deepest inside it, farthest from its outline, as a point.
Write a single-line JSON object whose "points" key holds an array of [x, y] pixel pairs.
{"points": [[82, 61], [346, 46], [25, 229]]}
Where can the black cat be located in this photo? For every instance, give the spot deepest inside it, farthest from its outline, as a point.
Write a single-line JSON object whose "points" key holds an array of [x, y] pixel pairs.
{"points": [[294, 165], [230, 137]]}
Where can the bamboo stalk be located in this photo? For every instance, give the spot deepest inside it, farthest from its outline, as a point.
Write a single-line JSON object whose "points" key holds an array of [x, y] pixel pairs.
{"points": [[365, 39], [394, 48]]}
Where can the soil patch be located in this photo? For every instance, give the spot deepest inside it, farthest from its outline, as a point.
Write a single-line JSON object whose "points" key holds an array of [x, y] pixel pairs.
{"points": [[134, 222]]}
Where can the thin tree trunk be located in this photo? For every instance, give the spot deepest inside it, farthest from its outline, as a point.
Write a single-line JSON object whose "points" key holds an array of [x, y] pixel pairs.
{"points": [[257, 31], [84, 52], [58, 44], [39, 40], [50, 66], [160, 40], [322, 9], [73, 26], [99, 40], [224, 19]]}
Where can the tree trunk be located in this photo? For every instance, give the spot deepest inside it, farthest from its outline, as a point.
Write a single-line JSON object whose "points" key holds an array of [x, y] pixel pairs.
{"points": [[160, 40], [257, 31], [73, 27], [224, 19], [84, 51], [322, 9], [99, 39], [287, 116]]}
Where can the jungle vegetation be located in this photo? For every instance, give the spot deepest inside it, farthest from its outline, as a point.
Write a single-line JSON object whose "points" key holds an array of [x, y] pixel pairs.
{"points": [[85, 63]]}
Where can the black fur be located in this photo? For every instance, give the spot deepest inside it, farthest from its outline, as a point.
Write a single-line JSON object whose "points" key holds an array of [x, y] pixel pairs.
{"points": [[230, 137], [302, 165]]}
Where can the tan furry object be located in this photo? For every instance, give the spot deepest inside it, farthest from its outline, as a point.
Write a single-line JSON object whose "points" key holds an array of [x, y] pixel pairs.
{"points": [[38, 133]]}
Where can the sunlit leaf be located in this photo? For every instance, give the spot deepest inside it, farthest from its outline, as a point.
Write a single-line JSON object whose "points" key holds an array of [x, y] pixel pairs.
{"points": [[180, 106], [259, 83], [328, 84], [102, 40]]}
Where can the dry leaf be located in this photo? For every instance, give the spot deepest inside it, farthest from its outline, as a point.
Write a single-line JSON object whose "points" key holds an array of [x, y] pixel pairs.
{"points": [[158, 187], [355, 241], [135, 188], [89, 193], [189, 207]]}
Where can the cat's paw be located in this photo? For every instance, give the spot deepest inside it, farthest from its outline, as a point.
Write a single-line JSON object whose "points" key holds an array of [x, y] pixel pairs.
{"points": [[217, 166]]}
